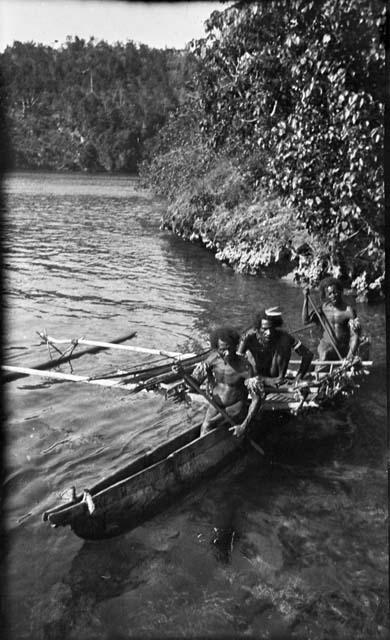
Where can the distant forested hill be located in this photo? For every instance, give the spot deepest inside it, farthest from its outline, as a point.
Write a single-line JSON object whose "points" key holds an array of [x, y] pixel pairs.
{"points": [[88, 105]]}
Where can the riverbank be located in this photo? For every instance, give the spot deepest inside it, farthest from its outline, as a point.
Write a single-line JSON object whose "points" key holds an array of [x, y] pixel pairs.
{"points": [[275, 160], [259, 238], [251, 231]]}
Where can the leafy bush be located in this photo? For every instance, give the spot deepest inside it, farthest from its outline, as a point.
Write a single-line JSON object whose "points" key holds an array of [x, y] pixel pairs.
{"points": [[299, 86], [290, 96]]}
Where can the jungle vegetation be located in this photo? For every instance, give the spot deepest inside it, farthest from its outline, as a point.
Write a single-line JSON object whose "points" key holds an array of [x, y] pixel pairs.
{"points": [[276, 157], [88, 105]]}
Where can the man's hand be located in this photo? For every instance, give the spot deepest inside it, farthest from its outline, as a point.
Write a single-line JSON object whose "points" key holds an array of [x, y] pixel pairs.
{"points": [[239, 430], [298, 381], [279, 381], [255, 386], [351, 359]]}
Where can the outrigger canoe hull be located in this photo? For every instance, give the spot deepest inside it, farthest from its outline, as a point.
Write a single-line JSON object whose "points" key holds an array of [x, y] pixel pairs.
{"points": [[126, 499]]}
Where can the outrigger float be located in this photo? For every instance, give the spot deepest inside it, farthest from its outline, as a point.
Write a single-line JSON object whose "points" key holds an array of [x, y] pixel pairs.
{"points": [[131, 495]]}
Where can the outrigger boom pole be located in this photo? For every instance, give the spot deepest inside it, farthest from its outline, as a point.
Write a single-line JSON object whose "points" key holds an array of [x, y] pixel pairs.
{"points": [[21, 372], [65, 358], [111, 345]]}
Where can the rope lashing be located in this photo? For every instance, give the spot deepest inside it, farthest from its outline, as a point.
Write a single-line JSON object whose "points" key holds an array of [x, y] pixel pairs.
{"points": [[67, 353]]}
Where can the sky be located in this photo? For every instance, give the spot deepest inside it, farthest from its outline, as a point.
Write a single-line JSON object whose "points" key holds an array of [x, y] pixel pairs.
{"points": [[156, 24]]}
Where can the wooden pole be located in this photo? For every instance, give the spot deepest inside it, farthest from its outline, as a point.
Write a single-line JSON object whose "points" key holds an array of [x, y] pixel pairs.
{"points": [[365, 363], [193, 384], [111, 345], [21, 372], [311, 325], [76, 354]]}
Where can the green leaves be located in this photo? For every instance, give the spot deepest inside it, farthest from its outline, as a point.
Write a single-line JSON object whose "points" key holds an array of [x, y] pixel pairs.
{"points": [[294, 92]]}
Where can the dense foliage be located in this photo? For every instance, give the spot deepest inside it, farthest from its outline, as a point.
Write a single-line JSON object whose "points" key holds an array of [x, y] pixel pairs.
{"points": [[88, 105], [292, 93]]}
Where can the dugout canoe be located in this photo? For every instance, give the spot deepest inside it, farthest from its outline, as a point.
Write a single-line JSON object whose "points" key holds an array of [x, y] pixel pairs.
{"points": [[133, 494], [127, 498]]}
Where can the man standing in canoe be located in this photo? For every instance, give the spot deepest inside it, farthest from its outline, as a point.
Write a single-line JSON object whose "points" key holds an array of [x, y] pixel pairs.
{"points": [[269, 348], [341, 326], [230, 379]]}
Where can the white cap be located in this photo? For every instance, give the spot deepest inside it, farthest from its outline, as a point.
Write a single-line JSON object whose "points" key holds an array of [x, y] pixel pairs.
{"points": [[273, 312]]}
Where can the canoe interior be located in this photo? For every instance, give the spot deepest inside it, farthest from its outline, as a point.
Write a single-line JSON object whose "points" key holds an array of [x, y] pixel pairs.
{"points": [[133, 494], [139, 464], [148, 459]]}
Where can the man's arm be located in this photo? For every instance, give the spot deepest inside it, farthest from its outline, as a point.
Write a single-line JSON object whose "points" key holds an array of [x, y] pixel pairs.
{"points": [[355, 329], [308, 317], [203, 369], [243, 344], [256, 390], [306, 358], [254, 407], [244, 349]]}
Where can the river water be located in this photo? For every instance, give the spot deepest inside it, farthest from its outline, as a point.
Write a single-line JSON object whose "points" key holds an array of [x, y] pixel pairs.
{"points": [[293, 547]]}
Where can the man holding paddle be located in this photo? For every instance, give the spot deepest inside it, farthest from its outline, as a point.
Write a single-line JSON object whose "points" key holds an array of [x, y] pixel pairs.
{"points": [[230, 378], [341, 327]]}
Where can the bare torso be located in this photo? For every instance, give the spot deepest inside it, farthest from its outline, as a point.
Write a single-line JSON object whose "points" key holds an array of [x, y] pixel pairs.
{"points": [[227, 372], [270, 358], [228, 380], [341, 327], [338, 318]]}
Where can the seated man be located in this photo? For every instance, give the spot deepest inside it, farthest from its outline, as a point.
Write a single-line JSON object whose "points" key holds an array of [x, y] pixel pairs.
{"points": [[342, 327], [269, 348], [228, 376]]}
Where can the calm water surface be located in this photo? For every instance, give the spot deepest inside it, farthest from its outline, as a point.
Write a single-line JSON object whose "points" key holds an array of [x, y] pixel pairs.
{"points": [[302, 549]]}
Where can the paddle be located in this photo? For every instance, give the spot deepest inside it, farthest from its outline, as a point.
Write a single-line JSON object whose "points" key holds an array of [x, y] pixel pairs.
{"points": [[325, 325], [194, 385], [311, 325]]}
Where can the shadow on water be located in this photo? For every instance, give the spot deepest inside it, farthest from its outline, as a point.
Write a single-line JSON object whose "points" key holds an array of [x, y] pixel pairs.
{"points": [[98, 573]]}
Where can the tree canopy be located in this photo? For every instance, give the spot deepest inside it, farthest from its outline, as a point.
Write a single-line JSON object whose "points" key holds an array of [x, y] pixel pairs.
{"points": [[88, 105]]}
